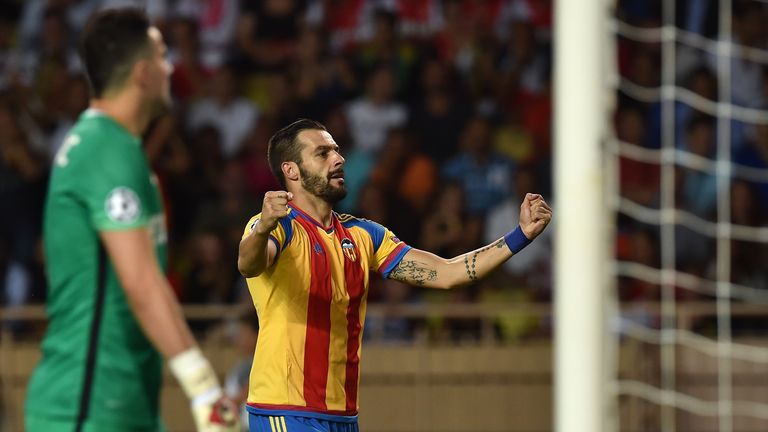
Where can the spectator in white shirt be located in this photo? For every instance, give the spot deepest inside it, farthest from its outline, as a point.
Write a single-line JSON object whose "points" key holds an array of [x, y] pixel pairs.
{"points": [[372, 116], [217, 21], [233, 116]]}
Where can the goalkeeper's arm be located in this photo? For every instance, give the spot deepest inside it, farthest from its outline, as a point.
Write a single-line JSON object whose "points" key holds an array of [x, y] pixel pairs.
{"points": [[159, 314]]}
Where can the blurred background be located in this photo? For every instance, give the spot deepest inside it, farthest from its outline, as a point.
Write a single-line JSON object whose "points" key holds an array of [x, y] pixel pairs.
{"points": [[443, 111]]}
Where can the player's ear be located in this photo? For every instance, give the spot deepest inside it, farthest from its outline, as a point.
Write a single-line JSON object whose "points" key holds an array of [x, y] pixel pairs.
{"points": [[290, 170], [140, 73]]}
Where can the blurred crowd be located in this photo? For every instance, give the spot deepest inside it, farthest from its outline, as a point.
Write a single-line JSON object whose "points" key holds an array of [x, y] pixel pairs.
{"points": [[442, 109]]}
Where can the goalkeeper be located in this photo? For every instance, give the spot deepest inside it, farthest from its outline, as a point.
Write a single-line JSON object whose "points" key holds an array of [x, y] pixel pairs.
{"points": [[112, 314]]}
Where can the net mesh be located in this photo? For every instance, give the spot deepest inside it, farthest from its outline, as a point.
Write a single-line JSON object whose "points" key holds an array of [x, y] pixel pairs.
{"points": [[689, 153]]}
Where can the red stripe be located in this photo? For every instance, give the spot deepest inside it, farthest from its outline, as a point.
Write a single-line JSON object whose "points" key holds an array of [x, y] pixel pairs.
{"points": [[390, 257], [318, 336], [354, 279], [300, 409]]}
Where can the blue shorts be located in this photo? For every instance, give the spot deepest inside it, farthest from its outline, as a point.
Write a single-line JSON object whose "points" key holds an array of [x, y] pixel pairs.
{"points": [[260, 420]]}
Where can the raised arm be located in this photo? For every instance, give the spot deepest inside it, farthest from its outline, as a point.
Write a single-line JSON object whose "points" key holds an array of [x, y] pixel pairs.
{"points": [[426, 269], [256, 253]]}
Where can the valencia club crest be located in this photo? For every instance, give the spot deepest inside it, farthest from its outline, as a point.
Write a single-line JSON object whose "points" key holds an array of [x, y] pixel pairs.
{"points": [[349, 249]]}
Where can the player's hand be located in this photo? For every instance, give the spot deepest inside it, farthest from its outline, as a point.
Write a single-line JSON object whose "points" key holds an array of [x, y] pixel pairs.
{"points": [[535, 215], [221, 416], [275, 206], [211, 410]]}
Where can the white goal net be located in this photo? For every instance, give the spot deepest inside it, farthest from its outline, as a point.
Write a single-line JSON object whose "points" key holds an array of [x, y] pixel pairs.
{"points": [[689, 152]]}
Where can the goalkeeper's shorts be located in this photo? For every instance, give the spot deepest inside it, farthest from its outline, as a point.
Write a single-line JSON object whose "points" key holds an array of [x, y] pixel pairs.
{"points": [[260, 420]]}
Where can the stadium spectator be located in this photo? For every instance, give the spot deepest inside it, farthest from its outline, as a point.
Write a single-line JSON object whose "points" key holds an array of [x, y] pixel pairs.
{"points": [[22, 188], [484, 174], [700, 186], [440, 111], [748, 257], [74, 102], [533, 268], [190, 77], [268, 32], [217, 26], [373, 115], [417, 175], [639, 181], [233, 116], [207, 281], [448, 229]]}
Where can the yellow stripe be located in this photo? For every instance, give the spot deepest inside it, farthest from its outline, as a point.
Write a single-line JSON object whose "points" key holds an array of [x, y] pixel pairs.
{"points": [[279, 379], [272, 423], [335, 398], [282, 420]]}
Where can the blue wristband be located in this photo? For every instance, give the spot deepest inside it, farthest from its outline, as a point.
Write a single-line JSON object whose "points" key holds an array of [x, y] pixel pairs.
{"points": [[516, 240]]}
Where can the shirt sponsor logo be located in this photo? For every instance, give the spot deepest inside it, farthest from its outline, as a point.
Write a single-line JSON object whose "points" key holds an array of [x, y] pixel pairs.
{"points": [[122, 205]]}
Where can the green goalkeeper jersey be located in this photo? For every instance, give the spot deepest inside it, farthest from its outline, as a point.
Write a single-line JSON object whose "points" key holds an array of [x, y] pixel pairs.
{"points": [[97, 366]]}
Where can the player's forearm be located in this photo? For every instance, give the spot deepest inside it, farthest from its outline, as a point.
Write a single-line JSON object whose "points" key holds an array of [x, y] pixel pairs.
{"points": [[160, 316], [253, 257], [477, 264], [422, 268]]}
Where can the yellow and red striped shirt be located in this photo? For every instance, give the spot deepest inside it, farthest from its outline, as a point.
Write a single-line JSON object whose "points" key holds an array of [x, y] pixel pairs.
{"points": [[311, 305]]}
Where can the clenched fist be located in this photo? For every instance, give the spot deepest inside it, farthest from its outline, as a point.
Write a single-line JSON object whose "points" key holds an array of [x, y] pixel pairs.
{"points": [[535, 215], [275, 206]]}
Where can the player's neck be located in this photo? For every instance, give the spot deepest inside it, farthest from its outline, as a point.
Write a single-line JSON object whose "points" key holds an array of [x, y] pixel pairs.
{"points": [[316, 208], [126, 109]]}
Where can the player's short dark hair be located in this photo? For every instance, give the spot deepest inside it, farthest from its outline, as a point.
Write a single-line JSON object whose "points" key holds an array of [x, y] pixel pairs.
{"points": [[285, 146], [112, 42]]}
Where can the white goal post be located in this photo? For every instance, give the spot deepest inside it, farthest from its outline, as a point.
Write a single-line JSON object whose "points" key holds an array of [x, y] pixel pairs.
{"points": [[582, 229]]}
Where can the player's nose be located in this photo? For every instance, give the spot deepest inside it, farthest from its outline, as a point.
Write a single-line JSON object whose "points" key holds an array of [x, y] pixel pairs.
{"points": [[339, 160]]}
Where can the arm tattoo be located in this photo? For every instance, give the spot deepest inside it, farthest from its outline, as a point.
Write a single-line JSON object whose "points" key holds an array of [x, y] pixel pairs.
{"points": [[471, 273], [413, 272], [498, 245]]}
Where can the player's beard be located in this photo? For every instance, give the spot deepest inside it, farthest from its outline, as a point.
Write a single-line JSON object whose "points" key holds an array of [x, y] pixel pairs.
{"points": [[321, 187]]}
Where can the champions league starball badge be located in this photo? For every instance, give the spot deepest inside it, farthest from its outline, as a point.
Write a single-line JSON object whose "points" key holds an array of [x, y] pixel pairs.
{"points": [[122, 205]]}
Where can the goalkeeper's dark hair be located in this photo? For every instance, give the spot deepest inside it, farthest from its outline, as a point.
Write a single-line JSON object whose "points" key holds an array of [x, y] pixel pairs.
{"points": [[112, 42], [284, 146]]}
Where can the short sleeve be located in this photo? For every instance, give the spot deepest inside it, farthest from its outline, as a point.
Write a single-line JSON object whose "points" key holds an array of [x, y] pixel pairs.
{"points": [[388, 250], [117, 186], [278, 236]]}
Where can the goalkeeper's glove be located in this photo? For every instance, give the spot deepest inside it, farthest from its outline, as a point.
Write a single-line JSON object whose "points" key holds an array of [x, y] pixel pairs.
{"points": [[211, 410]]}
